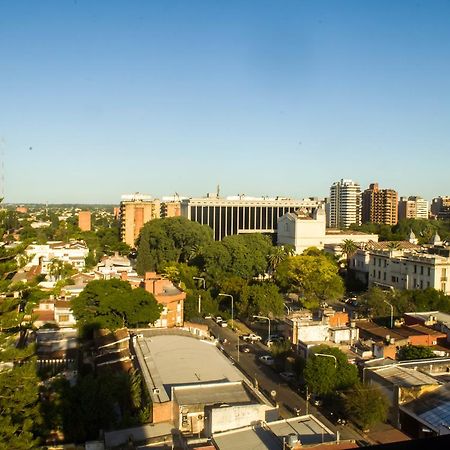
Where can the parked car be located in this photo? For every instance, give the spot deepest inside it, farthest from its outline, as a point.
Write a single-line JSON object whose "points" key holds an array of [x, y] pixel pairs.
{"points": [[244, 348], [252, 337], [273, 340], [288, 376], [218, 319], [208, 316], [267, 360], [223, 323]]}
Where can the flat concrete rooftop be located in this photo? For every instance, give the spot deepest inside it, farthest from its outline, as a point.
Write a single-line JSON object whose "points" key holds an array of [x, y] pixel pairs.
{"points": [[172, 360], [232, 393], [404, 376]]}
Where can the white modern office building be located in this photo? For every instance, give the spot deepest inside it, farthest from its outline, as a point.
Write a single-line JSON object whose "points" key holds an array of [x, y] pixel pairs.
{"points": [[242, 214], [344, 204]]}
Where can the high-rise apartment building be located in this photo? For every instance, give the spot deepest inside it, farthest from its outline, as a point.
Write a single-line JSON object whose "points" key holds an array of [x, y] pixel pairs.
{"points": [[84, 220], [135, 211], [379, 205], [241, 214], [170, 208], [344, 204], [440, 207], [412, 208]]}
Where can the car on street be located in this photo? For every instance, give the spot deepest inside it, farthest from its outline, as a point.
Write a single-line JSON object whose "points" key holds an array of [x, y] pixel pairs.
{"points": [[218, 319], [251, 337], [244, 348], [223, 323], [288, 376], [273, 340], [267, 360]]}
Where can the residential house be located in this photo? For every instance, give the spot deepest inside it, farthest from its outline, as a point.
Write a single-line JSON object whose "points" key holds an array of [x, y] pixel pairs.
{"points": [[169, 296]]}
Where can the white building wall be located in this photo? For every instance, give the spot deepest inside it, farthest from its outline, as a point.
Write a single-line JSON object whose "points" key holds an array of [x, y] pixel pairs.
{"points": [[307, 333], [409, 271]]}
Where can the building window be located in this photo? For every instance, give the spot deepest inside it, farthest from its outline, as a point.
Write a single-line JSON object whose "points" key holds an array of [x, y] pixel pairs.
{"points": [[379, 275], [415, 268], [429, 271], [384, 276], [385, 263], [421, 284], [421, 270], [64, 318]]}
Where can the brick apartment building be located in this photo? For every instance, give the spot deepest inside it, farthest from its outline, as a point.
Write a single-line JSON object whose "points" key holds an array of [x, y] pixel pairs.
{"points": [[84, 220], [169, 296], [379, 205]]}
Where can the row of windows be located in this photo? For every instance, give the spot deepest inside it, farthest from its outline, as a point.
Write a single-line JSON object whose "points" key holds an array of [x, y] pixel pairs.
{"points": [[395, 279], [229, 220]]}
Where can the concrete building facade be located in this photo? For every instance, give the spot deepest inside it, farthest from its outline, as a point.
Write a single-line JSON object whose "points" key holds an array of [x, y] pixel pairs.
{"points": [[169, 296], [241, 214], [303, 230], [440, 207], [345, 204], [135, 211], [84, 220], [379, 205], [413, 208], [399, 269]]}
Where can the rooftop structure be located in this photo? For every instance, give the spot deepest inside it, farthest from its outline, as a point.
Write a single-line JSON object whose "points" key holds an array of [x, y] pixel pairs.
{"points": [[431, 410], [171, 360], [298, 432]]}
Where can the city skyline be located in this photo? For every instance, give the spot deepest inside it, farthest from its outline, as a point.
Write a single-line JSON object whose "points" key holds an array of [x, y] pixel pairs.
{"points": [[262, 99]]}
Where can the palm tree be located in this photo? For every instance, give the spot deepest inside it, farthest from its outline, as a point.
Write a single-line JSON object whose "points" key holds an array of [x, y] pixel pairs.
{"points": [[348, 247], [278, 255]]}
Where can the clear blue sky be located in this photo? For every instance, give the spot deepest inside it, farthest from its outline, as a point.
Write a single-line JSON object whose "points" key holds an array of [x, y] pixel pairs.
{"points": [[262, 97]]}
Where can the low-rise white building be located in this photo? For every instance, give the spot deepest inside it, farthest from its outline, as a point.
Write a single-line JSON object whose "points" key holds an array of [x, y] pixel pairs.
{"points": [[73, 253], [303, 230], [399, 269]]}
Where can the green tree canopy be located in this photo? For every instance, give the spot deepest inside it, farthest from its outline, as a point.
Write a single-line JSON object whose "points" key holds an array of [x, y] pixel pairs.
{"points": [[326, 374], [19, 406], [242, 255], [366, 405], [314, 277], [114, 304], [173, 239], [415, 352]]}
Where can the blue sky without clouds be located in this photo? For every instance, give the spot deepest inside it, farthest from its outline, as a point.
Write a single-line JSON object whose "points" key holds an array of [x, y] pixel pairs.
{"points": [[262, 97]]}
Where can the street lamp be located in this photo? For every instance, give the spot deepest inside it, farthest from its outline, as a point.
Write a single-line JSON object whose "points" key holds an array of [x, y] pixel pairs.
{"points": [[266, 318], [199, 296], [232, 319], [392, 312], [328, 356], [232, 307]]}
